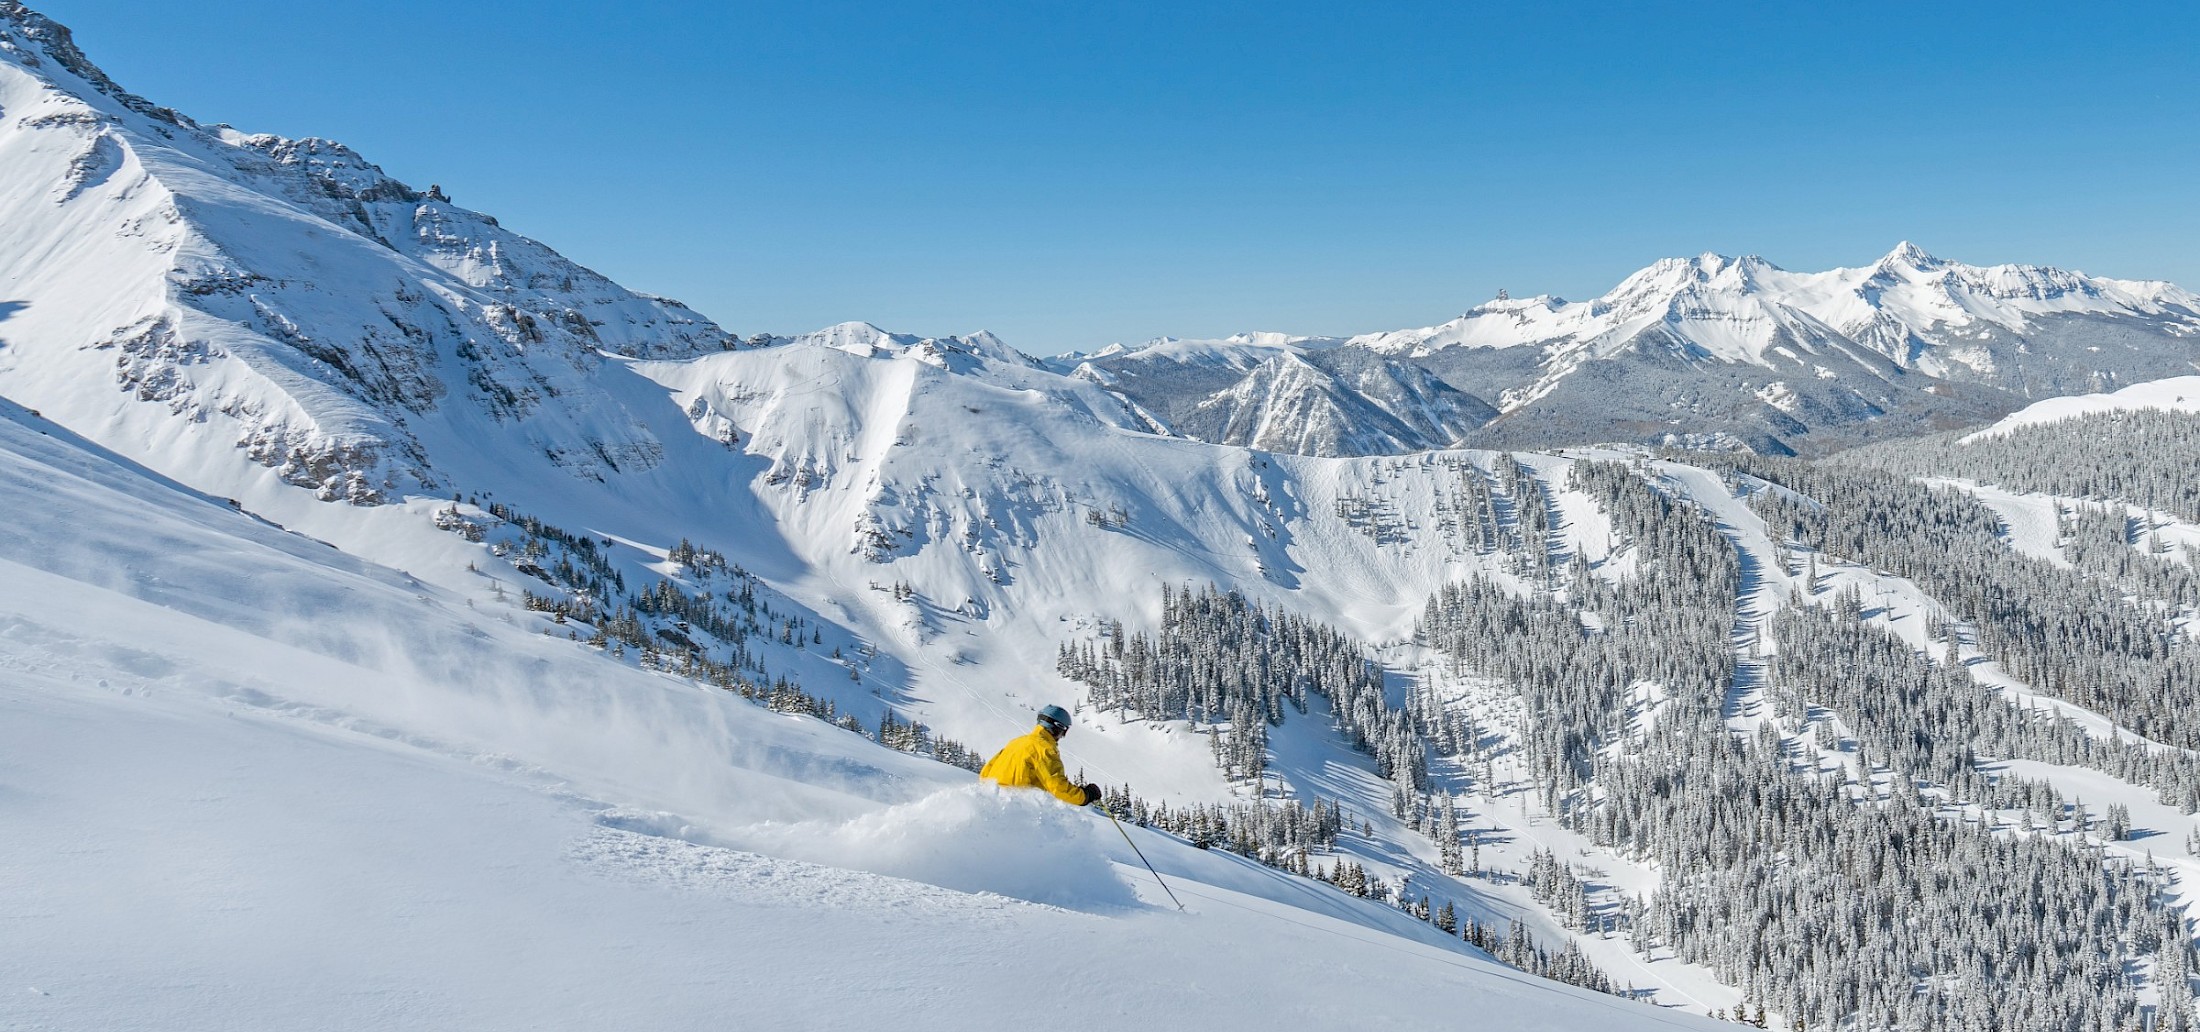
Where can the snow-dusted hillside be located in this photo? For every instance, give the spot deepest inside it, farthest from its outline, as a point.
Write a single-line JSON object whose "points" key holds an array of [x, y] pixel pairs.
{"points": [[2174, 394], [492, 623], [254, 782]]}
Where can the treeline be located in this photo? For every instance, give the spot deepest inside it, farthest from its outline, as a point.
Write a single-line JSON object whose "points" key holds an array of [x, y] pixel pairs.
{"points": [[1579, 656], [2074, 636], [703, 633], [1895, 701], [2114, 546], [703, 628], [1281, 835], [1234, 666], [1838, 911], [1518, 948], [1237, 666], [1835, 908], [2143, 456]]}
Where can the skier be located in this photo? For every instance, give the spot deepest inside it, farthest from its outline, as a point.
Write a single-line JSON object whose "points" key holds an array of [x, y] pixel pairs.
{"points": [[1034, 761]]}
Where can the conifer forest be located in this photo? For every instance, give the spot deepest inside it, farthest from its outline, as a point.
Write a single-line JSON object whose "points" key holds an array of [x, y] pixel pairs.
{"points": [[1836, 788]]}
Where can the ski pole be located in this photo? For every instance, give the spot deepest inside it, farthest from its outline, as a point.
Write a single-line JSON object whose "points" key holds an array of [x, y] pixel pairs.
{"points": [[1141, 855]]}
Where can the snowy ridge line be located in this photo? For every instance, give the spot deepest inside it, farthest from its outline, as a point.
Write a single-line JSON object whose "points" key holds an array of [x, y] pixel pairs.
{"points": [[292, 302], [1742, 307], [547, 831], [995, 497], [1758, 357], [2175, 394]]}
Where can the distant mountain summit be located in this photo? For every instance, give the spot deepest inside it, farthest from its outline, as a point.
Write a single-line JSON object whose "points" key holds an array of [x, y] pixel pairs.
{"points": [[1710, 351], [198, 291], [1909, 306], [1711, 348], [1307, 395]]}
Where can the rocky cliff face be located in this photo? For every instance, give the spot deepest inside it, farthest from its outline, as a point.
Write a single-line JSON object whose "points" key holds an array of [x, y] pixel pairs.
{"points": [[1302, 395]]}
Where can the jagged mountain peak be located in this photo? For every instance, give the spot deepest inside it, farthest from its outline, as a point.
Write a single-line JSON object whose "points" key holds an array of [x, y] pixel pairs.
{"points": [[1237, 345], [1908, 285], [30, 40], [1324, 399], [1908, 255], [342, 170], [1514, 305], [855, 333], [953, 352], [229, 238], [290, 300], [1707, 265], [1745, 347]]}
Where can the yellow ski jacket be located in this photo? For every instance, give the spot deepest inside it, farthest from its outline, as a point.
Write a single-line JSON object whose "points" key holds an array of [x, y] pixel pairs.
{"points": [[1033, 761]]}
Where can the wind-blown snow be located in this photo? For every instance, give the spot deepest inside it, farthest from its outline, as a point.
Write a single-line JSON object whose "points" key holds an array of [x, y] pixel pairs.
{"points": [[251, 781], [264, 782]]}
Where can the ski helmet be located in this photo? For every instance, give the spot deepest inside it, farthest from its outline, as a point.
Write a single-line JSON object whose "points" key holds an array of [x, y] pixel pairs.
{"points": [[1056, 719]]}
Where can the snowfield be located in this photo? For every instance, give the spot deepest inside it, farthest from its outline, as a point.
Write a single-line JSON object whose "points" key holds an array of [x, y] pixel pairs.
{"points": [[249, 781], [2174, 394], [402, 626]]}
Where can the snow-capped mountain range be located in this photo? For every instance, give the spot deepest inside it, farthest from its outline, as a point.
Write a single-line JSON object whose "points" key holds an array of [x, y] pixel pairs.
{"points": [[1708, 350], [334, 486], [1784, 359], [295, 302]]}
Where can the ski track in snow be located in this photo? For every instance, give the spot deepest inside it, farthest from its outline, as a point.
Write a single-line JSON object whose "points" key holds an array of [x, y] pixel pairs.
{"points": [[1899, 606], [327, 830], [1746, 706], [358, 796], [2033, 521]]}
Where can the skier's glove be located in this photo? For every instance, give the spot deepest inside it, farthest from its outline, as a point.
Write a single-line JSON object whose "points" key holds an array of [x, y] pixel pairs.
{"points": [[1092, 794]]}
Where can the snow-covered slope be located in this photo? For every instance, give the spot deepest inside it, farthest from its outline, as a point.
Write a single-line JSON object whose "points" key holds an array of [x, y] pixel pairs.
{"points": [[2174, 394], [309, 333], [850, 523], [285, 299], [254, 782]]}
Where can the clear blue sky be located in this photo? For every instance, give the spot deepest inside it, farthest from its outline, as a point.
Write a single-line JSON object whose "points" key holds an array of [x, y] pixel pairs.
{"points": [[1071, 174]]}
